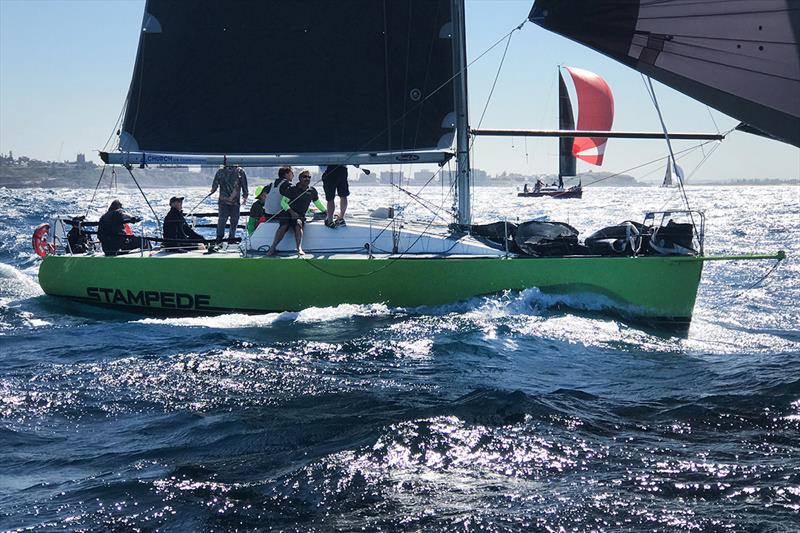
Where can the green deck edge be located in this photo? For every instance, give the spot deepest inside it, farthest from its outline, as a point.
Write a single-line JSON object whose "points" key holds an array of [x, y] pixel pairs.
{"points": [[646, 287]]}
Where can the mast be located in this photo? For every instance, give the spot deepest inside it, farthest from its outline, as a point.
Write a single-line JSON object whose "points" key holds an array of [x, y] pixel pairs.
{"points": [[464, 206]]}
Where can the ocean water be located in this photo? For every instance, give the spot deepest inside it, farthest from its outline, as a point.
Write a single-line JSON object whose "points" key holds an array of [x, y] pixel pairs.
{"points": [[512, 412]]}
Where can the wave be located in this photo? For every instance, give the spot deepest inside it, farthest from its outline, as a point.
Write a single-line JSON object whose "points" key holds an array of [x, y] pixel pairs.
{"points": [[16, 285]]}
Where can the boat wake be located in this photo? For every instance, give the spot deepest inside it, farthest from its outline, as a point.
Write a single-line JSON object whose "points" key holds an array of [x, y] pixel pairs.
{"points": [[243, 321]]}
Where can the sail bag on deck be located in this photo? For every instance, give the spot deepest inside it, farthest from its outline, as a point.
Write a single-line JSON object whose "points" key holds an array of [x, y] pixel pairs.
{"points": [[291, 77], [739, 56]]}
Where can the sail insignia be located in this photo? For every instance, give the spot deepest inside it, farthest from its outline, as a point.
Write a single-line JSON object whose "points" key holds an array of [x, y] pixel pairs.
{"points": [[151, 24], [127, 142]]}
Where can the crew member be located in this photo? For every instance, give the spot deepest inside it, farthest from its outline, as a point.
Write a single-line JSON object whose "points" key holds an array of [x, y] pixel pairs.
{"points": [[257, 213], [272, 205], [112, 233], [232, 184], [77, 239], [178, 235], [334, 182], [296, 201]]}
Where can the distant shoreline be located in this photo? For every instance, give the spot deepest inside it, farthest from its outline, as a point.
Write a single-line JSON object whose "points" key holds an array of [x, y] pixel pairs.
{"points": [[87, 176], [46, 186]]}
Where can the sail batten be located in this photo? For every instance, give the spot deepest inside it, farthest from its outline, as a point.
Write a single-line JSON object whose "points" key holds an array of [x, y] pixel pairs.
{"points": [[738, 56], [258, 77]]}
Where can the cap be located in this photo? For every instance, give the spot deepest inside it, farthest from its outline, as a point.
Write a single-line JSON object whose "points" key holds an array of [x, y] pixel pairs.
{"points": [[176, 199], [259, 190]]}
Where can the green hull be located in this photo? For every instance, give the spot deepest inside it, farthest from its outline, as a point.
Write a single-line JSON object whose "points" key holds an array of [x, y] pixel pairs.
{"points": [[654, 288]]}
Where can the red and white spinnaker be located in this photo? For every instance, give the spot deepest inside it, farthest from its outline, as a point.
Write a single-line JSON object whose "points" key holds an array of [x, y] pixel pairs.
{"points": [[595, 113]]}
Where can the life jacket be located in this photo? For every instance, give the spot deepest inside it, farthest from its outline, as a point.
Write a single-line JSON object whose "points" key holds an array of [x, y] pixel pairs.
{"points": [[272, 203]]}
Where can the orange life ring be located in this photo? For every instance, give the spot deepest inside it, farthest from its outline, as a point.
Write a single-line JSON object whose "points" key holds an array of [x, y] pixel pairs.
{"points": [[41, 245]]}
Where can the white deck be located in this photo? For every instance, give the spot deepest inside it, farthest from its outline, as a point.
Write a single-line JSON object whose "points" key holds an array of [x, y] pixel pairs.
{"points": [[382, 238], [361, 236]]}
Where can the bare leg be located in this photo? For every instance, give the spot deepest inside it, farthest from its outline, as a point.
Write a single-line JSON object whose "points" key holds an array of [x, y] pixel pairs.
{"points": [[298, 238], [342, 206], [278, 236]]}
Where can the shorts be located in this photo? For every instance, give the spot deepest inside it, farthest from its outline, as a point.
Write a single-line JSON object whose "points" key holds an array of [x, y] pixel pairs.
{"points": [[334, 183], [292, 223]]}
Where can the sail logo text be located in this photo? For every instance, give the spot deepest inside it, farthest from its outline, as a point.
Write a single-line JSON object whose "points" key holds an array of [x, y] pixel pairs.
{"points": [[168, 300]]}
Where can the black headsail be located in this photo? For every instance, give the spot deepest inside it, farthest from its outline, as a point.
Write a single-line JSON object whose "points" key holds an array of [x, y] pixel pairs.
{"points": [[566, 121], [291, 77], [739, 56]]}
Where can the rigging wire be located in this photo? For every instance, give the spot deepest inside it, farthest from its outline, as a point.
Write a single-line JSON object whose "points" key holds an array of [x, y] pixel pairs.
{"points": [[117, 125], [507, 38], [158, 221], [444, 84], [496, 77], [710, 114], [751, 286], [652, 92], [94, 194], [646, 164], [388, 263]]}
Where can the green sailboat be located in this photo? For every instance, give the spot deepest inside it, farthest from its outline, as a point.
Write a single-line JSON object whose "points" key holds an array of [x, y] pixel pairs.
{"points": [[393, 92]]}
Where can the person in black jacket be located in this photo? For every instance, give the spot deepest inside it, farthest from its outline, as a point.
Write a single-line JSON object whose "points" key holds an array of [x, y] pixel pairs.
{"points": [[178, 235], [112, 231]]}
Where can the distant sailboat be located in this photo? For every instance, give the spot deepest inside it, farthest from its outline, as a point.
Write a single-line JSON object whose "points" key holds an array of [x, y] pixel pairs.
{"points": [[667, 175], [595, 113]]}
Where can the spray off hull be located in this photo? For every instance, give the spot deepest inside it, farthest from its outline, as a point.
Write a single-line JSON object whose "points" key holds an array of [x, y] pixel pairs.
{"points": [[651, 288]]}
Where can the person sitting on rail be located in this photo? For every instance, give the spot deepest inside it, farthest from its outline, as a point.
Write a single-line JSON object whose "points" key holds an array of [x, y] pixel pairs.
{"points": [[257, 213], [78, 240], [296, 201], [178, 235], [114, 233], [272, 205]]}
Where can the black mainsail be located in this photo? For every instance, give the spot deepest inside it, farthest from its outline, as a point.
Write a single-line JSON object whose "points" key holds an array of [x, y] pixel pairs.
{"points": [[289, 77], [739, 56], [566, 121]]}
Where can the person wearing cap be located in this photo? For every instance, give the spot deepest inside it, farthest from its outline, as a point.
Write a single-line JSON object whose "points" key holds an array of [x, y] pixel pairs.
{"points": [[296, 201], [115, 234], [257, 213], [178, 235]]}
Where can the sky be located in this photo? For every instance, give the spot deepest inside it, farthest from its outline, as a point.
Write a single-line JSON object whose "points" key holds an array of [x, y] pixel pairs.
{"points": [[65, 67]]}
